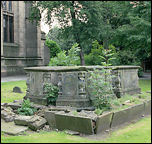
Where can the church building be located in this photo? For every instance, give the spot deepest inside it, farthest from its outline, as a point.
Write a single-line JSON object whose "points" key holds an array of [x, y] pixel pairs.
{"points": [[22, 42]]}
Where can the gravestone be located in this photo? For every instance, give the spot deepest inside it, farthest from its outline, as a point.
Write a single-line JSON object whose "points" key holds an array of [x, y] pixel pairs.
{"points": [[17, 90]]}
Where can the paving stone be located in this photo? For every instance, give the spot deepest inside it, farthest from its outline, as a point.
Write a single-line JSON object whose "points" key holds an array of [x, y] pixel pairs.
{"points": [[38, 124], [12, 129], [103, 122], [72, 132], [7, 114], [22, 120], [14, 106]]}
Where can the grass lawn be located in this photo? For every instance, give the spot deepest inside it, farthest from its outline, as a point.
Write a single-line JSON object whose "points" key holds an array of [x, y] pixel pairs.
{"points": [[140, 132], [7, 94]]}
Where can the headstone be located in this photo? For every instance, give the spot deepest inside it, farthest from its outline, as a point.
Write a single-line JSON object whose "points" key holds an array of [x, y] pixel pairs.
{"points": [[17, 90]]}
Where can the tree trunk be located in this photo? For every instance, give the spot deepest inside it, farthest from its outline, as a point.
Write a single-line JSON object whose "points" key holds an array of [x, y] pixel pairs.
{"points": [[105, 44], [82, 58]]}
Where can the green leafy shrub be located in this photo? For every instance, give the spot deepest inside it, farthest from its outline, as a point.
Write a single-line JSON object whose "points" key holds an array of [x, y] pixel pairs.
{"points": [[126, 57], [69, 59], [97, 54], [26, 108], [98, 111], [101, 88], [51, 93], [53, 46]]}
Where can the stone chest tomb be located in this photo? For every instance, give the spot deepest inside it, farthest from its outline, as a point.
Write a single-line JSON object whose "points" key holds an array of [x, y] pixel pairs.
{"points": [[73, 85]]}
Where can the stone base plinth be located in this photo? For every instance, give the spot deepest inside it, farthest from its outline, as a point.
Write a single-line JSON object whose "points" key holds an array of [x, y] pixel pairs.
{"points": [[37, 100], [79, 103]]}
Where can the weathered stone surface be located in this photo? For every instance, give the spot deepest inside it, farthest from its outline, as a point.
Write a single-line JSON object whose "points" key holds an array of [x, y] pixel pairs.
{"points": [[50, 117], [148, 91], [11, 128], [37, 124], [72, 132], [74, 123], [103, 122], [72, 83], [14, 106], [22, 120], [7, 114], [46, 128], [120, 117], [18, 101], [136, 112], [127, 115], [147, 107], [4, 104], [17, 90]]}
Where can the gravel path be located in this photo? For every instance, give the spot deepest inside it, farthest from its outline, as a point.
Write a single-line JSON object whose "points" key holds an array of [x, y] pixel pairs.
{"points": [[13, 78]]}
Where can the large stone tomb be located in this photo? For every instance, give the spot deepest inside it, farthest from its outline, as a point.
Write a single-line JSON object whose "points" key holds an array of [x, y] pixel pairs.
{"points": [[73, 84]]}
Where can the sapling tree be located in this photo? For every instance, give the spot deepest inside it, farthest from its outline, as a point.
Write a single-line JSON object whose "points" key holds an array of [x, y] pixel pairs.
{"points": [[100, 82]]}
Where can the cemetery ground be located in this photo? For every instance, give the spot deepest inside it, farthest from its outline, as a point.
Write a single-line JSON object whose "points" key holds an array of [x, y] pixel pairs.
{"points": [[140, 131]]}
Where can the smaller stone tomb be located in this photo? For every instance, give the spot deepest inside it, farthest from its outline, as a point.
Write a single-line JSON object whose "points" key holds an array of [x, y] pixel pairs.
{"points": [[73, 84]]}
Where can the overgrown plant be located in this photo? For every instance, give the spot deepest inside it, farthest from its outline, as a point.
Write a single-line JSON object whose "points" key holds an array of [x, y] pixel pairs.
{"points": [[69, 59], [101, 87], [53, 46], [26, 108], [51, 93]]}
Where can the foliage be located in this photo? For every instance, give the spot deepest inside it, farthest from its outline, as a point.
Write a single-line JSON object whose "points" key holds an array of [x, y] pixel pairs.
{"points": [[70, 59], [53, 46], [101, 89], [51, 93], [125, 24], [64, 43], [135, 35], [75, 113], [98, 111], [125, 57], [128, 134], [89, 19], [7, 94], [99, 53], [26, 108], [101, 80]]}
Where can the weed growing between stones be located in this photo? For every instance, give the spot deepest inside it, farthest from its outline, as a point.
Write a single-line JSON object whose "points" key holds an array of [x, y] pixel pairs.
{"points": [[26, 108], [101, 89], [51, 93]]}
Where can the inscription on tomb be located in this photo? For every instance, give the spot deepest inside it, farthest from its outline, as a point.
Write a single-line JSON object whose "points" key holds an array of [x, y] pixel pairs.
{"points": [[70, 85]]}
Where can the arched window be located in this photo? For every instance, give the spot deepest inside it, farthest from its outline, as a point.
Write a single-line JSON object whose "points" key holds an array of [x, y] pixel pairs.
{"points": [[8, 22]]}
